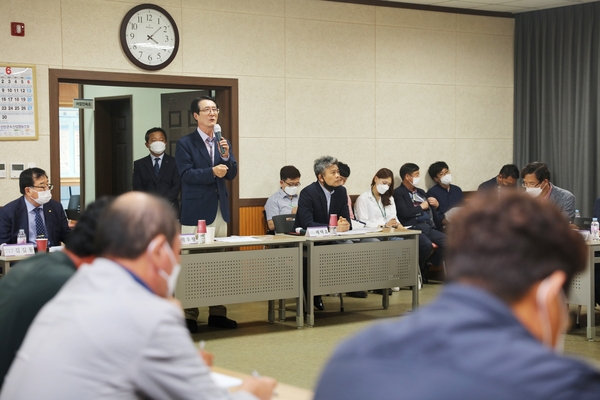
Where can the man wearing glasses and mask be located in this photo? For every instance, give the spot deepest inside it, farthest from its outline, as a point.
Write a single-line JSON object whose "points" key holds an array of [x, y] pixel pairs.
{"points": [[536, 181], [35, 212], [285, 200]]}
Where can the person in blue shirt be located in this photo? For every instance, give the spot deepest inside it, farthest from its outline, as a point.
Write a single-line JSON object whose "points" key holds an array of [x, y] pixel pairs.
{"points": [[496, 330], [447, 195]]}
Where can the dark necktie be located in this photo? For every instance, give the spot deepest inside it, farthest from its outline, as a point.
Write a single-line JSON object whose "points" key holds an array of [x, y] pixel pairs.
{"points": [[209, 142], [40, 229], [156, 166]]}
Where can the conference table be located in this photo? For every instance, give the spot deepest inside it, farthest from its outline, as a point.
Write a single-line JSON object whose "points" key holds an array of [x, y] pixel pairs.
{"points": [[6, 261], [582, 288], [212, 275], [335, 267]]}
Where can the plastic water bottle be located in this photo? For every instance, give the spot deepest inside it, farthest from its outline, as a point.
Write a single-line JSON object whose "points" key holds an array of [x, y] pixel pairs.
{"points": [[21, 238], [577, 215], [594, 227]]}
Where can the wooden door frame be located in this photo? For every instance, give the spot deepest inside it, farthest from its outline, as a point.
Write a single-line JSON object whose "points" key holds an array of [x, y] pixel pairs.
{"points": [[227, 94]]}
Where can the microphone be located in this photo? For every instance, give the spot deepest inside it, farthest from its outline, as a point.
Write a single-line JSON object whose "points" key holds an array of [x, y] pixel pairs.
{"points": [[217, 131]]}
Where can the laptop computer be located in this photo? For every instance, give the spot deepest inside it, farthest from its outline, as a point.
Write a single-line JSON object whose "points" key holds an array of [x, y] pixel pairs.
{"points": [[284, 223], [583, 223], [73, 214]]}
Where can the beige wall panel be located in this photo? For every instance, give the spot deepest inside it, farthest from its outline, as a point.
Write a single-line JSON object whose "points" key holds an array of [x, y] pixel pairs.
{"points": [[259, 165], [484, 60], [484, 112], [415, 56], [329, 50], [411, 111], [42, 96], [42, 41], [30, 151], [261, 7], [329, 11], [330, 109], [242, 44], [478, 160], [490, 25], [358, 154], [393, 153], [262, 107], [415, 19]]}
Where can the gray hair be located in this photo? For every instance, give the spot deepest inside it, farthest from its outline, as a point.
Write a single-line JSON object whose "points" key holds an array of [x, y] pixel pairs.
{"points": [[321, 164]]}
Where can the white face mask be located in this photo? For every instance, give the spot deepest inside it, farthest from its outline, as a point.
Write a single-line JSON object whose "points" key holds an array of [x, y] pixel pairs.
{"points": [[171, 279], [43, 197], [533, 192], [381, 189], [158, 147], [291, 190], [542, 299], [446, 179], [416, 180]]}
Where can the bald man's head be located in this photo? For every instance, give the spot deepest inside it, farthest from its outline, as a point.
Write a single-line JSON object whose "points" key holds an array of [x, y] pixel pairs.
{"points": [[130, 223]]}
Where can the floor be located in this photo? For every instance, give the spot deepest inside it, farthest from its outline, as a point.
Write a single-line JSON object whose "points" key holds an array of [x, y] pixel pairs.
{"points": [[296, 356]]}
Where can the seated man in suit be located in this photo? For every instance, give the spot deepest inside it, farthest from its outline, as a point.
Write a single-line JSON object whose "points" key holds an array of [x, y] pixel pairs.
{"points": [[285, 200], [447, 194], [35, 212], [415, 209], [536, 181], [497, 328], [157, 172], [322, 198], [507, 178]]}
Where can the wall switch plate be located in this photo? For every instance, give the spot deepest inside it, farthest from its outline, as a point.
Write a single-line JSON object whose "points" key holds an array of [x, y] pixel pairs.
{"points": [[2, 170], [16, 169]]}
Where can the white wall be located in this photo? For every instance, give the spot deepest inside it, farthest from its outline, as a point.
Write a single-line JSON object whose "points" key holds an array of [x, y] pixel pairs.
{"points": [[373, 86]]}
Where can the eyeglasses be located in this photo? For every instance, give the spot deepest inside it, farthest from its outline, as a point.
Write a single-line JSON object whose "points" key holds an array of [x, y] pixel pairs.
{"points": [[209, 110], [530, 185], [45, 187], [292, 184]]}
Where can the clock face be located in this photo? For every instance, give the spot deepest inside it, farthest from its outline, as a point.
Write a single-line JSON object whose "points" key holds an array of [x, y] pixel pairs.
{"points": [[149, 37]]}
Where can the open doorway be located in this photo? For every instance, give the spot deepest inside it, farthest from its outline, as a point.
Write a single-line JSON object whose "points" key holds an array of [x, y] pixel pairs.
{"points": [[225, 91]]}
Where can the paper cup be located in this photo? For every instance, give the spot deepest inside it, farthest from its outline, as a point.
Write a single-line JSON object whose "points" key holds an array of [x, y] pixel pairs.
{"points": [[210, 234], [42, 245], [201, 226], [333, 220]]}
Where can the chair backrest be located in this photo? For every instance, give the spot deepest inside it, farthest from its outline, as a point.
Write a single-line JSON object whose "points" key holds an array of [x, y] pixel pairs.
{"points": [[74, 202], [284, 223]]}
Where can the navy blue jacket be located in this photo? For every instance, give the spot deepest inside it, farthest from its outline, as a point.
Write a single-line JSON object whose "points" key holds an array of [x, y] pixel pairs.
{"points": [[467, 344], [312, 206], [166, 185], [201, 191], [407, 212], [447, 199], [13, 217], [487, 185]]}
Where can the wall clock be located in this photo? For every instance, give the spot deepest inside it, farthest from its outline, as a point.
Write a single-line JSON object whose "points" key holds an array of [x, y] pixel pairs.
{"points": [[149, 37]]}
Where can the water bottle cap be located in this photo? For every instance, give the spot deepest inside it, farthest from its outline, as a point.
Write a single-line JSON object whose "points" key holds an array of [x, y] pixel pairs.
{"points": [[594, 219]]}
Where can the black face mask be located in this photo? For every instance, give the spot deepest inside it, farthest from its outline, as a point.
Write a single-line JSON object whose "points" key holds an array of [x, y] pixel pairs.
{"points": [[326, 186]]}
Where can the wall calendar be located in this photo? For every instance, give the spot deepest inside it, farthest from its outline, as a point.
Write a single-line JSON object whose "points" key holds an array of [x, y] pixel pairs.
{"points": [[18, 113]]}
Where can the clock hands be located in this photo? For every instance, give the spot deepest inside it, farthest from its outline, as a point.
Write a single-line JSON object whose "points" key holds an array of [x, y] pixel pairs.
{"points": [[150, 37]]}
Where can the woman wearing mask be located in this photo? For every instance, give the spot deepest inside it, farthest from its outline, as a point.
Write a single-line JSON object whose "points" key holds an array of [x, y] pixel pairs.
{"points": [[376, 207]]}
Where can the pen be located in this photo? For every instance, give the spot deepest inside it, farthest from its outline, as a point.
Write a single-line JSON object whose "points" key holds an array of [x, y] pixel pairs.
{"points": [[202, 344]]}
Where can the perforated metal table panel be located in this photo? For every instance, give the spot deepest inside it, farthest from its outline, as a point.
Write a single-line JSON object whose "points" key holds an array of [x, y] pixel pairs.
{"points": [[214, 274], [340, 268], [582, 289]]}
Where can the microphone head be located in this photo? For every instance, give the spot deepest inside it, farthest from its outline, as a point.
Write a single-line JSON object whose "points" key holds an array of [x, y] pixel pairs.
{"points": [[217, 131]]}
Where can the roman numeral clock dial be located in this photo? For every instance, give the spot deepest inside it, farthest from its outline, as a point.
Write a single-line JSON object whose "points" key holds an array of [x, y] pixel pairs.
{"points": [[149, 37]]}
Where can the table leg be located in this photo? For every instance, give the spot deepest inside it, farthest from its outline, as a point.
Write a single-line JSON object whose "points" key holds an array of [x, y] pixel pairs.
{"points": [[282, 310], [415, 288], [591, 306], [271, 311], [310, 303], [300, 298]]}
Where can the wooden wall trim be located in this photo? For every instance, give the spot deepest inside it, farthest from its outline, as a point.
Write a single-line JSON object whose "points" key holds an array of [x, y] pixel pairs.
{"points": [[257, 202]]}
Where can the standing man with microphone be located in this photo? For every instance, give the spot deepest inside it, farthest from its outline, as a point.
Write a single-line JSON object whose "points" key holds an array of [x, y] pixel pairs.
{"points": [[204, 160]]}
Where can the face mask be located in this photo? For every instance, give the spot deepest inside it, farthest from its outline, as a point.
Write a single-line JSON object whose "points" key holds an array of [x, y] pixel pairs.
{"points": [[541, 299], [416, 180], [533, 192], [328, 187], [158, 147], [381, 189], [291, 190], [171, 279], [446, 179], [43, 197]]}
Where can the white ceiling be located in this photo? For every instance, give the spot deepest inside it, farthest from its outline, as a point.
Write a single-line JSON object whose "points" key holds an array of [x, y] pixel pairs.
{"points": [[508, 6]]}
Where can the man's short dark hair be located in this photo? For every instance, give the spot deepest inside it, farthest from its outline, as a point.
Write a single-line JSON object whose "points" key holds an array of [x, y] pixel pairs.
{"points": [[436, 168], [344, 169], [126, 228], [155, 129], [505, 244], [195, 106], [540, 170], [81, 238], [509, 170], [28, 176], [288, 172], [408, 169]]}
